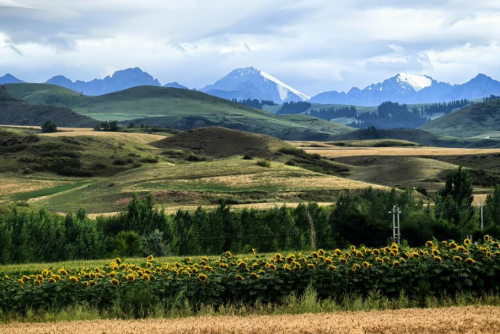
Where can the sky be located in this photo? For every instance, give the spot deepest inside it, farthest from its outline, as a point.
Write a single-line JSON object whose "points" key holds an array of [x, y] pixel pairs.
{"points": [[312, 45]]}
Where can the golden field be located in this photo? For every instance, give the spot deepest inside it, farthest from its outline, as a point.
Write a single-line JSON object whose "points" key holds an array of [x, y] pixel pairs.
{"points": [[339, 152], [454, 320]]}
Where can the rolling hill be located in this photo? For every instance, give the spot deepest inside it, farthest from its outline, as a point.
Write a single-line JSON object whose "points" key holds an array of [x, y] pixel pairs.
{"points": [[178, 108], [14, 111], [478, 120]]}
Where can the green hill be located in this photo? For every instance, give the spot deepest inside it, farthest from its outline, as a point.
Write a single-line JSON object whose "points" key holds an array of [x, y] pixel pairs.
{"points": [[179, 108], [14, 111], [478, 120]]}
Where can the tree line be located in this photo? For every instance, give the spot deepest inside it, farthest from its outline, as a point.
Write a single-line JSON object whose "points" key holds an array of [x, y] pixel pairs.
{"points": [[142, 229], [254, 103]]}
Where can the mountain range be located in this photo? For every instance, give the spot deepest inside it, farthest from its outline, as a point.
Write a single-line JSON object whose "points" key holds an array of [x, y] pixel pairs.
{"points": [[412, 89], [251, 83]]}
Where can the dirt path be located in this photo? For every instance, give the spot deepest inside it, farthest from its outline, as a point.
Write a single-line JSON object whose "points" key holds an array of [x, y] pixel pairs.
{"points": [[447, 320]]}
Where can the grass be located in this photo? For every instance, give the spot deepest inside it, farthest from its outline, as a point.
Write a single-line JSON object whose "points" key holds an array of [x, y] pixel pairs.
{"points": [[444, 310], [477, 120], [202, 183], [25, 196], [166, 107]]}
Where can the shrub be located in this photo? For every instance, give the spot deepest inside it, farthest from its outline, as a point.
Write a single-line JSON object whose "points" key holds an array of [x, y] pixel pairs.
{"points": [[49, 127], [263, 163]]}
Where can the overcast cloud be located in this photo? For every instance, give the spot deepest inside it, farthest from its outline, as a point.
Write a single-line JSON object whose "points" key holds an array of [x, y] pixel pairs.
{"points": [[312, 45]]}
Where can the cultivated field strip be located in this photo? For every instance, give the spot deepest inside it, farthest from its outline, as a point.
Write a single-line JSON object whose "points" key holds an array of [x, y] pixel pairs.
{"points": [[454, 320], [339, 152]]}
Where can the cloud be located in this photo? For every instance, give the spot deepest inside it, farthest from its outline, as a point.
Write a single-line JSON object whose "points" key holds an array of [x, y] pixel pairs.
{"points": [[313, 45]]}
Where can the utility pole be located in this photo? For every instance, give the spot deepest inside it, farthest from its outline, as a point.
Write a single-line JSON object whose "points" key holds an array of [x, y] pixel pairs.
{"points": [[396, 230]]}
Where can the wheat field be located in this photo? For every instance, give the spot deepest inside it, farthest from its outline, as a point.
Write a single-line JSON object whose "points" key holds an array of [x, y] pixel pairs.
{"points": [[453, 320], [339, 152]]}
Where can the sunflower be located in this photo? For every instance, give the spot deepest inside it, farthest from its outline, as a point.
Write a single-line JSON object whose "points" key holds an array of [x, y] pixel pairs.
{"points": [[353, 248], [315, 255], [85, 284], [321, 252], [92, 282], [453, 244], [376, 252], [223, 265], [239, 278], [150, 258], [114, 281], [130, 277], [20, 281], [73, 279], [39, 277], [488, 255], [62, 271], [287, 267], [470, 260], [438, 259], [297, 265], [311, 266], [242, 265], [486, 238], [118, 260], [429, 244], [228, 254], [328, 260], [332, 268], [254, 251], [457, 258], [51, 280], [271, 266], [367, 265], [254, 275], [435, 252], [467, 242], [355, 267], [396, 263], [338, 252], [202, 278], [343, 260]]}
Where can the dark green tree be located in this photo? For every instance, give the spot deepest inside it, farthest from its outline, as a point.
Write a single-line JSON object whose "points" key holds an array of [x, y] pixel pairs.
{"points": [[49, 126]]}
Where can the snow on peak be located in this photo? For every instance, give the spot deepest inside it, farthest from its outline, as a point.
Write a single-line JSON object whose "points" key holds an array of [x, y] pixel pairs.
{"points": [[284, 89], [417, 82]]}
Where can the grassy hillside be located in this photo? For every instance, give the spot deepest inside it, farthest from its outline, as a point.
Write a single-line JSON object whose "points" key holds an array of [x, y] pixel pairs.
{"points": [[179, 108], [198, 167], [16, 111], [478, 120]]}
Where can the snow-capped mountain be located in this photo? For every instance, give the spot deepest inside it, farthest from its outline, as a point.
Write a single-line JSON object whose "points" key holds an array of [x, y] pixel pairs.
{"points": [[120, 80], [251, 83], [9, 78], [412, 88]]}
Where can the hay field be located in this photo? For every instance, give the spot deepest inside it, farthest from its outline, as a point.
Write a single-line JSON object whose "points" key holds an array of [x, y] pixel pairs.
{"points": [[454, 320], [140, 138], [340, 152]]}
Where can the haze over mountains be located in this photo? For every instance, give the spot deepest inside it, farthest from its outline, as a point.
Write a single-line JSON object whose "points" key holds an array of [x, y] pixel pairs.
{"points": [[251, 83]]}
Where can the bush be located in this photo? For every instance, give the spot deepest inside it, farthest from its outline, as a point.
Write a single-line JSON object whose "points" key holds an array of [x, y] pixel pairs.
{"points": [[150, 160], [49, 127], [263, 163]]}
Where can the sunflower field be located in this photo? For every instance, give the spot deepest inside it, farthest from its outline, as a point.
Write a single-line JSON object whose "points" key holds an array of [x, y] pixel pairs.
{"points": [[438, 268]]}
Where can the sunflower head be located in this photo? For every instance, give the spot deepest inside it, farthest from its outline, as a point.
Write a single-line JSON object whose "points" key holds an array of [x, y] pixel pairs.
{"points": [[467, 242], [315, 255], [254, 275], [239, 278], [311, 266], [488, 255], [332, 268], [438, 259], [486, 238], [73, 279], [367, 265], [429, 244], [470, 260], [457, 258], [202, 278]]}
